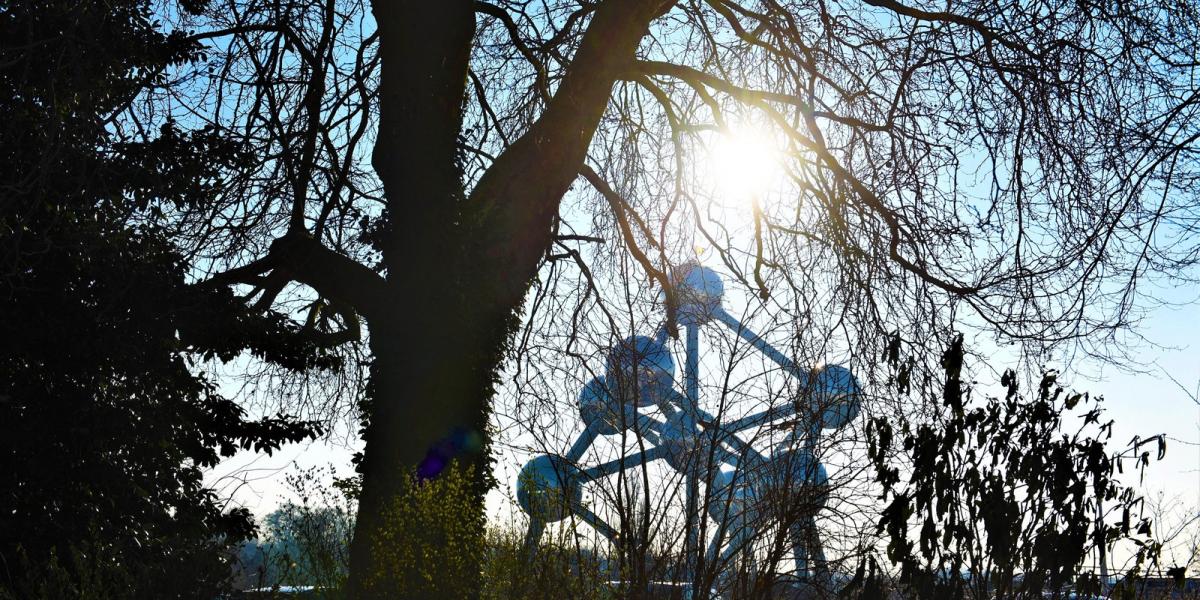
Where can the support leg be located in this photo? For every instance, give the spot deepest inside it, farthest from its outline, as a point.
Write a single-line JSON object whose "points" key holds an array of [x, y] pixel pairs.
{"points": [[816, 551], [691, 542], [799, 550], [691, 371], [809, 552], [533, 535], [728, 563]]}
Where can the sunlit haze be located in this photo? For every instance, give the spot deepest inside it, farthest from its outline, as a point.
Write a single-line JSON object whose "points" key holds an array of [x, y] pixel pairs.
{"points": [[743, 162]]}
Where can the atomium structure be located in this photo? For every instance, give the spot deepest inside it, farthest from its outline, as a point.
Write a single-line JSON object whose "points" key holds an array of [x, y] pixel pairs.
{"points": [[744, 486]]}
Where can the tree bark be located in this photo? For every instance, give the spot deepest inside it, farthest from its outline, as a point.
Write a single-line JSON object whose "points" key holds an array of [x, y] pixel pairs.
{"points": [[427, 419], [429, 390], [458, 269]]}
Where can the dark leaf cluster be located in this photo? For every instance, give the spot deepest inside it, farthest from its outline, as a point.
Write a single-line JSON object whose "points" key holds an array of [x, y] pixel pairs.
{"points": [[105, 418], [1010, 497]]}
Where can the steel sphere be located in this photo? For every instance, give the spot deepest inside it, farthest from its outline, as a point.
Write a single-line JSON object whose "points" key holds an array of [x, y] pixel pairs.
{"points": [[731, 494], [549, 488], [600, 411], [796, 468], [796, 479], [687, 447], [836, 393], [640, 371], [699, 292]]}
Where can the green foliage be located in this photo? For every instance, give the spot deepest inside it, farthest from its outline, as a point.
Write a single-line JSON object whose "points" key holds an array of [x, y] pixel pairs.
{"points": [[1004, 498], [561, 568], [430, 542], [106, 426], [306, 543]]}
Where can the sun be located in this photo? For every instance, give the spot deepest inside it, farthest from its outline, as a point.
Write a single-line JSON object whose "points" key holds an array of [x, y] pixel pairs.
{"points": [[743, 163]]}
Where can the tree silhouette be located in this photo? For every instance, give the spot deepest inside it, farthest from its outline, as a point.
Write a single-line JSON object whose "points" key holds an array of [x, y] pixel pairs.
{"points": [[106, 425], [1006, 498]]}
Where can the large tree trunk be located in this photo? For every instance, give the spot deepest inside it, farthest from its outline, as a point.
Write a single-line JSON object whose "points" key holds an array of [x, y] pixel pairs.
{"points": [[430, 382], [457, 272], [420, 528]]}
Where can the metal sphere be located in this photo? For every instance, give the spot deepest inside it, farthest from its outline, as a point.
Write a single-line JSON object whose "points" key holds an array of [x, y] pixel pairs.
{"points": [[796, 468], [836, 393], [687, 447], [600, 411], [699, 290], [797, 479], [731, 494], [640, 371], [549, 488]]}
